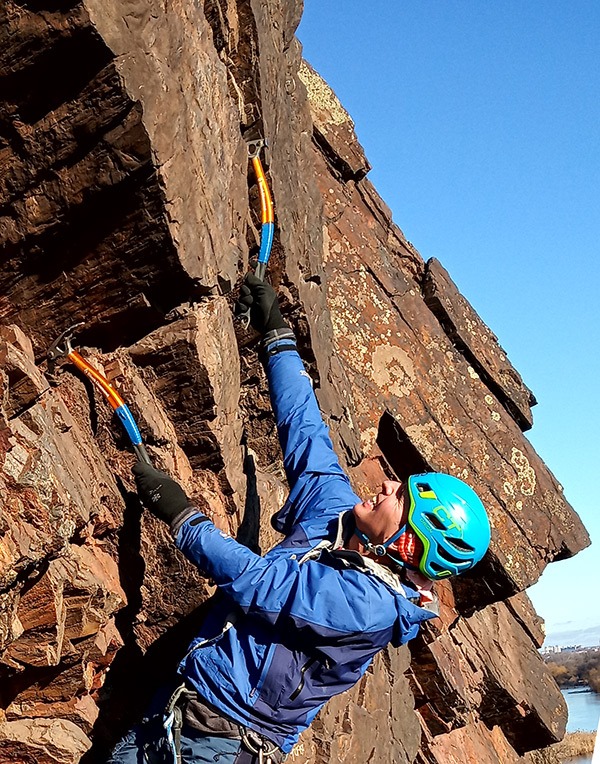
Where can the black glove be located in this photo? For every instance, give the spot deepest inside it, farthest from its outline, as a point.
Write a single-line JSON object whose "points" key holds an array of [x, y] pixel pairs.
{"points": [[159, 493], [260, 299]]}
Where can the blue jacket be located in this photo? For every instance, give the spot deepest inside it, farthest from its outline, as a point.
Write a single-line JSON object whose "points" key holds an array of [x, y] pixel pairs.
{"points": [[303, 631]]}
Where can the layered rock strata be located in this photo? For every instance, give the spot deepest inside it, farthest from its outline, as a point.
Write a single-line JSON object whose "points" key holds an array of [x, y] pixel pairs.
{"points": [[126, 203]]}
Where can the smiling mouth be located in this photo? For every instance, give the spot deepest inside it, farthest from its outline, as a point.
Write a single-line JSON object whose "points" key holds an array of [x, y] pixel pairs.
{"points": [[374, 501]]}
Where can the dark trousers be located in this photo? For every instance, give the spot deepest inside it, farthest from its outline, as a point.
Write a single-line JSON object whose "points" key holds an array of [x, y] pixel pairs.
{"points": [[146, 744]]}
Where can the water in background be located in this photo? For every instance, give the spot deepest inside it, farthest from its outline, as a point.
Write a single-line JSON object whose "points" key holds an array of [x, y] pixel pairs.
{"points": [[584, 710], [584, 714]]}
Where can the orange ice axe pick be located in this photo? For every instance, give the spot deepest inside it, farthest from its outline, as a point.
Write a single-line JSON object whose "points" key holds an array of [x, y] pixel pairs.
{"points": [[62, 349]]}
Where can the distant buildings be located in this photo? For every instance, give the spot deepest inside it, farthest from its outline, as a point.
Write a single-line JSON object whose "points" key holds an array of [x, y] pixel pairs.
{"points": [[550, 649]]}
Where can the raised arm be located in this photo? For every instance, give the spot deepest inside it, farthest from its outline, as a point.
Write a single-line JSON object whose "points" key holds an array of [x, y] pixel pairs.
{"points": [[319, 488]]}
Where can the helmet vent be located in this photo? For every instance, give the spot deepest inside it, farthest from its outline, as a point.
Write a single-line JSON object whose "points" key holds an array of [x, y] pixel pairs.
{"points": [[425, 491], [445, 555], [434, 521], [460, 545]]}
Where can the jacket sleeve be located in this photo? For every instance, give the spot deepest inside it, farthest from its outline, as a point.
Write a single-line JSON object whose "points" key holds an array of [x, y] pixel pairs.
{"points": [[319, 488], [312, 597]]}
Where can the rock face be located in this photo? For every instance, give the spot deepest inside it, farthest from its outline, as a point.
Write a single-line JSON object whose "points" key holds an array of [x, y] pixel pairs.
{"points": [[127, 204]]}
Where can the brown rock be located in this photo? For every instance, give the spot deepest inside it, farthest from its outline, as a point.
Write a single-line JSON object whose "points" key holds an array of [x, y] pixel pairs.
{"points": [[379, 710], [195, 142], [333, 128], [125, 198], [52, 481], [477, 342], [198, 353], [473, 743], [522, 610], [41, 617], [44, 741], [25, 383], [14, 336], [482, 668], [81, 711]]}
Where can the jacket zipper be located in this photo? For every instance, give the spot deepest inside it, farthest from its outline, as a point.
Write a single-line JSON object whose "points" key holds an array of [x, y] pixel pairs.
{"points": [[303, 671], [263, 673]]}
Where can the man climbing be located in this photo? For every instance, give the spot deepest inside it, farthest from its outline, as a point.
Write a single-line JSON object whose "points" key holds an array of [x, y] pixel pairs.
{"points": [[302, 623]]}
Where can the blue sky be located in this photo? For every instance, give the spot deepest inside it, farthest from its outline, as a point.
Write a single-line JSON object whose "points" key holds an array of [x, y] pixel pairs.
{"points": [[482, 123]]}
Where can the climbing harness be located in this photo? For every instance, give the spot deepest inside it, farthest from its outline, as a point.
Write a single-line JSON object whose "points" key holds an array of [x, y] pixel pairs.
{"points": [[62, 348], [265, 751], [173, 721], [262, 750], [258, 746], [266, 205]]}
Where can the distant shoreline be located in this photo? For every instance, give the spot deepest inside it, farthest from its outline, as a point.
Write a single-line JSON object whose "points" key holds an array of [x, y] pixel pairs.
{"points": [[573, 745], [574, 667]]}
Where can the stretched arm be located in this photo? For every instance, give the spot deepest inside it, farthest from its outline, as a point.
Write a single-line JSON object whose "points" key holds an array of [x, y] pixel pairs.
{"points": [[318, 485], [319, 488], [311, 596]]}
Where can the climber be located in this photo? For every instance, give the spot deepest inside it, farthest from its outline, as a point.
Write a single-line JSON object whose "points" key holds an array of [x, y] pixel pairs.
{"points": [[302, 623]]}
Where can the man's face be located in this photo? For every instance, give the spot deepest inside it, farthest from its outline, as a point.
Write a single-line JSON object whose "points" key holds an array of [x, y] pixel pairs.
{"points": [[380, 517]]}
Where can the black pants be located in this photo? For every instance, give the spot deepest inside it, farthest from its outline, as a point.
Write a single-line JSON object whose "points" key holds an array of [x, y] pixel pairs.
{"points": [[147, 744]]}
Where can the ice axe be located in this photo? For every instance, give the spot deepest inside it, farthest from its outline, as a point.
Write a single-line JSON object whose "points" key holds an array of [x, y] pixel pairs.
{"points": [[267, 230], [266, 206], [62, 348]]}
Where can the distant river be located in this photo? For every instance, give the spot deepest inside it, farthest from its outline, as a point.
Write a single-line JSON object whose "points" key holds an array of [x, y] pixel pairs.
{"points": [[584, 710], [584, 714]]}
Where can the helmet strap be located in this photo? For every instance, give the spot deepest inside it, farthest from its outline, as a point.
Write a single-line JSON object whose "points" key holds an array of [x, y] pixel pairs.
{"points": [[380, 550]]}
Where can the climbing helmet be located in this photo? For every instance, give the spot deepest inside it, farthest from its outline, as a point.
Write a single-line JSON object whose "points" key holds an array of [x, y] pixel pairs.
{"points": [[450, 521]]}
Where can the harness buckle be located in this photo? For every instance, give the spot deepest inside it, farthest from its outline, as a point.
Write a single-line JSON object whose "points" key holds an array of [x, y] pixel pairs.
{"points": [[173, 719], [258, 745]]}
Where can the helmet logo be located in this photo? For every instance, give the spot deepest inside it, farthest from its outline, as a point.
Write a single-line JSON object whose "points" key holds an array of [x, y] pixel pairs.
{"points": [[441, 512], [426, 492]]}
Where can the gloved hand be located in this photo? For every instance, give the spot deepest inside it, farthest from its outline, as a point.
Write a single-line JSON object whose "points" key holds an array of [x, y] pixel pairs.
{"points": [[260, 299], [159, 493]]}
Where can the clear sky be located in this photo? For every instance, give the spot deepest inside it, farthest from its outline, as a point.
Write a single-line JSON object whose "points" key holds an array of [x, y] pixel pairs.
{"points": [[482, 123]]}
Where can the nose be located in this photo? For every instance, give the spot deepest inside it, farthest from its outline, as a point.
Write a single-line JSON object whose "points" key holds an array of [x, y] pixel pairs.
{"points": [[389, 487]]}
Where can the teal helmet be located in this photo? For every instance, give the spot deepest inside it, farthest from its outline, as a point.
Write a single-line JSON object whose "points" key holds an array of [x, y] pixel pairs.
{"points": [[450, 521]]}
